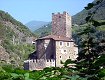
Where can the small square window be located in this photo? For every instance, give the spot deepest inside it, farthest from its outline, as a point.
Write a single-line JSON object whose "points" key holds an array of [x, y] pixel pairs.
{"points": [[59, 16], [68, 44], [60, 43], [60, 56], [47, 60], [50, 60], [64, 50]]}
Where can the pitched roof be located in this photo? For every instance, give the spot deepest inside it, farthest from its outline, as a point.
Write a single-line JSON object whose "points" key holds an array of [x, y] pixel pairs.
{"points": [[56, 38]]}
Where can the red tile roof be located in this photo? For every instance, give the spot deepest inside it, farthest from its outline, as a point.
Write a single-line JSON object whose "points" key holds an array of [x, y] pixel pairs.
{"points": [[56, 38]]}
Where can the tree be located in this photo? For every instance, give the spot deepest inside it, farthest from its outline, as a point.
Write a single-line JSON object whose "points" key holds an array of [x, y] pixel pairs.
{"points": [[92, 48]]}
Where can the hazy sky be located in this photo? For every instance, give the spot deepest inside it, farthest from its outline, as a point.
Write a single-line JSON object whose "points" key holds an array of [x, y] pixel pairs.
{"points": [[41, 10]]}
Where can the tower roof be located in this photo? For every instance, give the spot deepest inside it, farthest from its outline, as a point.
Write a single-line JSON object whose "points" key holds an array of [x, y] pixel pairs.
{"points": [[56, 38]]}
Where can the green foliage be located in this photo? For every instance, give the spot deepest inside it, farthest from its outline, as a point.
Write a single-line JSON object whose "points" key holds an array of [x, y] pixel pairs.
{"points": [[12, 42], [67, 62], [4, 16], [91, 56], [43, 31], [90, 5], [80, 17], [53, 73], [20, 50], [2, 35], [5, 32]]}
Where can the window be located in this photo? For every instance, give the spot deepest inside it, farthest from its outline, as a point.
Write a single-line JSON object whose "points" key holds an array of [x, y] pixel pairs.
{"points": [[59, 16], [50, 60], [60, 57], [68, 44], [61, 43], [64, 50], [47, 60], [53, 60]]}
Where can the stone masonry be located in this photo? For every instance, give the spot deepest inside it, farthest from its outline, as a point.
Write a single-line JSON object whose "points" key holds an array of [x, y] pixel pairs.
{"points": [[61, 24]]}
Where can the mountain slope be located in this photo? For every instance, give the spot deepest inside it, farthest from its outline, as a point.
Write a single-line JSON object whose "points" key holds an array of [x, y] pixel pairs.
{"points": [[43, 31], [33, 25], [15, 40], [79, 18]]}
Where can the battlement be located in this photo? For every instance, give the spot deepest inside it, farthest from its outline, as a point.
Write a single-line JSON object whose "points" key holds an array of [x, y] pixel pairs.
{"points": [[64, 13], [38, 64], [38, 60]]}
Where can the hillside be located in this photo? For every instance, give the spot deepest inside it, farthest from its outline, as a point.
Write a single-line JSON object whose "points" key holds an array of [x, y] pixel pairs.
{"points": [[43, 31], [33, 25], [79, 18], [15, 40]]}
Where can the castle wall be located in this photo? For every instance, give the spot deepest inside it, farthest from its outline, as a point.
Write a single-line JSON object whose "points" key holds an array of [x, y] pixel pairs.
{"points": [[64, 52], [61, 24], [34, 64], [38, 64], [68, 26], [75, 52], [46, 49], [50, 49], [40, 49], [50, 63]]}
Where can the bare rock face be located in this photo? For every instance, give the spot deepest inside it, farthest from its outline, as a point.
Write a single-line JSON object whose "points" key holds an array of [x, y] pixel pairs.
{"points": [[4, 56]]}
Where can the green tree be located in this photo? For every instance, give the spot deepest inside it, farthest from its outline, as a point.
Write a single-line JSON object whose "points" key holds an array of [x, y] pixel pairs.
{"points": [[92, 47]]}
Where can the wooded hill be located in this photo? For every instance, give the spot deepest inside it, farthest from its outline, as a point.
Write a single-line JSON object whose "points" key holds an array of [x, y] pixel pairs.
{"points": [[79, 18], [15, 40]]}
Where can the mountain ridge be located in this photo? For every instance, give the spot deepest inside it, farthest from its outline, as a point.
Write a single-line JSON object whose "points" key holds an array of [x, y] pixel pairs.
{"points": [[79, 18], [33, 25]]}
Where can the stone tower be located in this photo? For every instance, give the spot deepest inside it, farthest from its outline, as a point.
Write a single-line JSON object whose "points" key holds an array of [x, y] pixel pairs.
{"points": [[61, 24]]}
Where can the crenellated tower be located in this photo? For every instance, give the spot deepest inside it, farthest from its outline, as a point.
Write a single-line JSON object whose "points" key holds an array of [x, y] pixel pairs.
{"points": [[61, 25]]}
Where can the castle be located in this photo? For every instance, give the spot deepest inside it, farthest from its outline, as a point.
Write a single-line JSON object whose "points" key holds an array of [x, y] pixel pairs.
{"points": [[54, 48]]}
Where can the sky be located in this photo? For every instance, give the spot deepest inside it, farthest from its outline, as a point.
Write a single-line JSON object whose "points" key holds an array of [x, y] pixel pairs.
{"points": [[40, 10]]}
